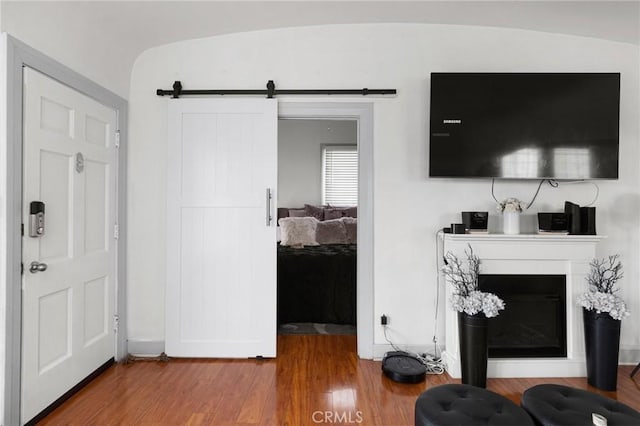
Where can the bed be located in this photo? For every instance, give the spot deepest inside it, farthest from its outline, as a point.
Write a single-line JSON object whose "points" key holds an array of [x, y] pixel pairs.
{"points": [[317, 284], [317, 270]]}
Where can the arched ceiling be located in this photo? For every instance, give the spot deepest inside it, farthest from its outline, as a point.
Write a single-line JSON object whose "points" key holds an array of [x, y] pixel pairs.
{"points": [[102, 39]]}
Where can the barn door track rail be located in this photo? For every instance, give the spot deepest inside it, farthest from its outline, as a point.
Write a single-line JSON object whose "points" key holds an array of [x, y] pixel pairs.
{"points": [[271, 91]]}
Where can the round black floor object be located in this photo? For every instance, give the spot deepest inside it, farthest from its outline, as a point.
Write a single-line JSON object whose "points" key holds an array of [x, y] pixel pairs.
{"points": [[403, 367]]}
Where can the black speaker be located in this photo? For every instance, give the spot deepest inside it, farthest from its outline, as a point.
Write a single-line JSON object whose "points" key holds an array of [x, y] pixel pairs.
{"points": [[588, 220], [475, 221], [573, 216], [552, 222], [458, 228]]}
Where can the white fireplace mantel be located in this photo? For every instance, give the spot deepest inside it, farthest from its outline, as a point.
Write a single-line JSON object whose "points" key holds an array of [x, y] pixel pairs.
{"points": [[567, 255]]}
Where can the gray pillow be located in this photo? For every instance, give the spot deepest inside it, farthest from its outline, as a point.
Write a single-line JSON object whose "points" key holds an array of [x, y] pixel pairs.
{"points": [[352, 212], [351, 226], [314, 211], [331, 232], [297, 213], [338, 212], [283, 212]]}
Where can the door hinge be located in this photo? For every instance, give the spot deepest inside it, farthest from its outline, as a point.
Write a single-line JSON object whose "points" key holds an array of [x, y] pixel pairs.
{"points": [[117, 138], [116, 231], [116, 322], [21, 268]]}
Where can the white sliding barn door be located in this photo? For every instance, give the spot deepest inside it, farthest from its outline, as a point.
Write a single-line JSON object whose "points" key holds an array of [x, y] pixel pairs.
{"points": [[221, 243], [70, 164]]}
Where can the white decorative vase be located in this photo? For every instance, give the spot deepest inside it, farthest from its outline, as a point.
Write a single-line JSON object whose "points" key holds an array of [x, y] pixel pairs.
{"points": [[511, 223]]}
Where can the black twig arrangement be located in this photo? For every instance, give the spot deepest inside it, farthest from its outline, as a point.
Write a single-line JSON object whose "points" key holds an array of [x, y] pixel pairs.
{"points": [[464, 280], [466, 296], [601, 295], [604, 274]]}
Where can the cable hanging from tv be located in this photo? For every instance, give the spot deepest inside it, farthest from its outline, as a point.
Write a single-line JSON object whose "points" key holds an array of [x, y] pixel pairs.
{"points": [[552, 182], [270, 92]]}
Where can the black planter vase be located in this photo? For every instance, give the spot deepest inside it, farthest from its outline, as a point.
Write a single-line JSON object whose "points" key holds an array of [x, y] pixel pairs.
{"points": [[602, 344], [472, 333]]}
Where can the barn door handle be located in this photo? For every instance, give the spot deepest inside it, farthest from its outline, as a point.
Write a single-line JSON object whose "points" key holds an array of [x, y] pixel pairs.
{"points": [[268, 203], [37, 267]]}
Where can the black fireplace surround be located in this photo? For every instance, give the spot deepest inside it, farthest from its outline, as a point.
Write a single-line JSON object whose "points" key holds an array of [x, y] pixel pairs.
{"points": [[534, 321]]}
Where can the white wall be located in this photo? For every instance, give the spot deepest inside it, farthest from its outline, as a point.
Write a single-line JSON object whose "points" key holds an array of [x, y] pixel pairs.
{"points": [[409, 207], [73, 34], [3, 210], [299, 157]]}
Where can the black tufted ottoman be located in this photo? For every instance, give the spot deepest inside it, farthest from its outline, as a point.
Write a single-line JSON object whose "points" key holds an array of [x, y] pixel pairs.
{"points": [[467, 405], [557, 405]]}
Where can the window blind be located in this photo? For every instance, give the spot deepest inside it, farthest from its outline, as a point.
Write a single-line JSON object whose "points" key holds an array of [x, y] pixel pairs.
{"points": [[340, 175]]}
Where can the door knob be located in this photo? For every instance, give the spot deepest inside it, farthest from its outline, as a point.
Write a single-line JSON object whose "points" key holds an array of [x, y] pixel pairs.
{"points": [[37, 267]]}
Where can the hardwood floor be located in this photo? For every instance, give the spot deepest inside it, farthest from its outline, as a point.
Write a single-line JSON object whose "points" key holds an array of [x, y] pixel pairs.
{"points": [[315, 380]]}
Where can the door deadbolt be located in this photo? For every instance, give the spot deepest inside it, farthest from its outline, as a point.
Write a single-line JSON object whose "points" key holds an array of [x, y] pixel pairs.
{"points": [[79, 162], [37, 267], [36, 219]]}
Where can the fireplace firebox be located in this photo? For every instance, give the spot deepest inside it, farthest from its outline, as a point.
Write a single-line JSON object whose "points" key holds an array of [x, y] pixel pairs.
{"points": [[533, 323]]}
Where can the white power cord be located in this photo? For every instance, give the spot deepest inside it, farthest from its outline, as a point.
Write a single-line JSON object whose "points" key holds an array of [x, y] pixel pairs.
{"points": [[439, 233]]}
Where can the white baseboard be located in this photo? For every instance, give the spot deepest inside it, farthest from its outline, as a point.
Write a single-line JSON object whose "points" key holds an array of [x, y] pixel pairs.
{"points": [[145, 347], [629, 355]]}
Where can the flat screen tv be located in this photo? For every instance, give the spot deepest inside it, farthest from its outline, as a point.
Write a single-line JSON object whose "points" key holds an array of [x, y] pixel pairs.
{"points": [[524, 125]]}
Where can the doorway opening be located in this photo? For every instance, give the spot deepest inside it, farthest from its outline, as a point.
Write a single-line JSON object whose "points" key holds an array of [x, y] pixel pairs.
{"points": [[362, 113], [317, 193]]}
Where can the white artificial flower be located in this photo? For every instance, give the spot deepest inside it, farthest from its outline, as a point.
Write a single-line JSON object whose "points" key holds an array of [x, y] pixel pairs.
{"points": [[473, 303], [604, 303], [464, 279], [491, 304], [477, 301], [511, 205]]}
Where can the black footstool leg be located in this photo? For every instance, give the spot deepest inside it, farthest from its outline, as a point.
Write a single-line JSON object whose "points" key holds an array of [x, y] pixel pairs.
{"points": [[635, 370]]}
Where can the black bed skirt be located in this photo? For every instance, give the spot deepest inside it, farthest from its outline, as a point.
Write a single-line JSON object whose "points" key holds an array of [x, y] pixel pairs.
{"points": [[317, 284]]}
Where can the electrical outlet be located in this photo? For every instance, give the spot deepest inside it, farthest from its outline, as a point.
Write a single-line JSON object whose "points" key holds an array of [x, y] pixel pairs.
{"points": [[384, 320]]}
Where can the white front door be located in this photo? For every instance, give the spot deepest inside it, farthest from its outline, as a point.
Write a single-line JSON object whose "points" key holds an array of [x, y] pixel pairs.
{"points": [[70, 166], [221, 243]]}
